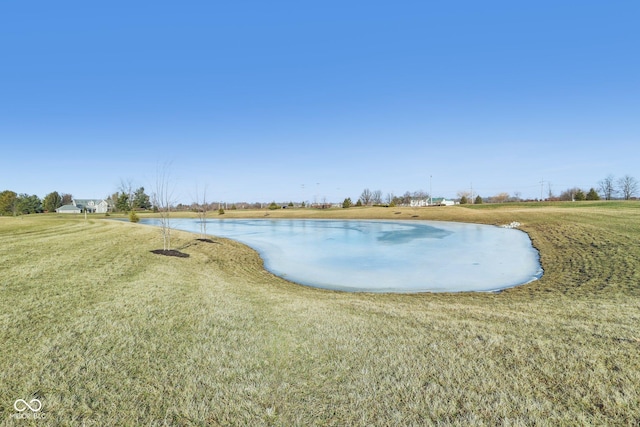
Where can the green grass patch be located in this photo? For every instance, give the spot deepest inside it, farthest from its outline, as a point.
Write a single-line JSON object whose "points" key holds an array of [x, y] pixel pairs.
{"points": [[104, 332]]}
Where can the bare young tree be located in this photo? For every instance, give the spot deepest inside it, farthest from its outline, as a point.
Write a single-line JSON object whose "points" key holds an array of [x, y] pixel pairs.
{"points": [[126, 187], [390, 198], [607, 187], [366, 196], [67, 198], [162, 200], [406, 198], [571, 194], [202, 208], [420, 195], [376, 197], [628, 186], [464, 194], [500, 198]]}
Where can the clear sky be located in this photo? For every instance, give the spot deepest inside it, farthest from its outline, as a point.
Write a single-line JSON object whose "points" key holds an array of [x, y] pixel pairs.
{"points": [[273, 100]]}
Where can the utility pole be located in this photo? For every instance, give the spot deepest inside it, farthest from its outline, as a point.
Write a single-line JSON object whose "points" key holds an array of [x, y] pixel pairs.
{"points": [[541, 188]]}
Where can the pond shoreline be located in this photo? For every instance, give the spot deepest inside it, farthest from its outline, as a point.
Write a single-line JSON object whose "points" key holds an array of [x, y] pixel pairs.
{"points": [[382, 255]]}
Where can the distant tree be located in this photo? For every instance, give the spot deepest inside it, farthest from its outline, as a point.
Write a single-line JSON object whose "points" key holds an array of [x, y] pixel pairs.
{"points": [[290, 204], [234, 207], [67, 199], [122, 204], [579, 196], [478, 200], [628, 186], [466, 195], [571, 194], [8, 203], [303, 204], [366, 197], [500, 198], [592, 194], [607, 187], [52, 201], [141, 199], [221, 211], [359, 203], [420, 195], [29, 204], [126, 187], [406, 198], [376, 197], [273, 206], [113, 199], [347, 203]]}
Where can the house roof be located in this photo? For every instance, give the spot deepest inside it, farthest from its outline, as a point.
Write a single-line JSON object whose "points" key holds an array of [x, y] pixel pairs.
{"points": [[84, 202], [68, 208]]}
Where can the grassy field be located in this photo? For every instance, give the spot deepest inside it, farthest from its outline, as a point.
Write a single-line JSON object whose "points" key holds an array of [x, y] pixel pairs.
{"points": [[104, 332]]}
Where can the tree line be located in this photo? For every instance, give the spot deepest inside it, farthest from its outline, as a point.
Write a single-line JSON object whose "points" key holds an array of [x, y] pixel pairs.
{"points": [[376, 198], [609, 188], [12, 203], [128, 198], [626, 187]]}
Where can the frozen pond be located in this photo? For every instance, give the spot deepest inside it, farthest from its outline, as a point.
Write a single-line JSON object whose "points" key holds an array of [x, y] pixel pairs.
{"points": [[384, 256]]}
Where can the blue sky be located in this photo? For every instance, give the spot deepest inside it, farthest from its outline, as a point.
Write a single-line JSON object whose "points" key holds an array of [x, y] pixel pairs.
{"points": [[262, 101]]}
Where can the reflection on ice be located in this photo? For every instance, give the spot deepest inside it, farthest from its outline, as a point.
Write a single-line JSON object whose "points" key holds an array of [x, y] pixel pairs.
{"points": [[385, 256]]}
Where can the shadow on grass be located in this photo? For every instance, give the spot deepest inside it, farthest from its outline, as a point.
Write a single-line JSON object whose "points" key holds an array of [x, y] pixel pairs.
{"points": [[170, 252], [207, 241]]}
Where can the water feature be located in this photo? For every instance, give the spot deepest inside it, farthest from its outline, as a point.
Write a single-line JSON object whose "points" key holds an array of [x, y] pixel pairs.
{"points": [[384, 256]]}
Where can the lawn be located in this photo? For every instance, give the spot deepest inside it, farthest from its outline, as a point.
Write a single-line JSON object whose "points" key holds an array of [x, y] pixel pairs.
{"points": [[104, 332]]}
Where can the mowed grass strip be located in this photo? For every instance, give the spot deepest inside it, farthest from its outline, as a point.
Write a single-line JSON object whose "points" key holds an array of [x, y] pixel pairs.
{"points": [[104, 332]]}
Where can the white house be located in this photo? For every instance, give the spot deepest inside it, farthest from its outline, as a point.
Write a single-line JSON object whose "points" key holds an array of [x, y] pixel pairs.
{"points": [[436, 201], [445, 202], [418, 203], [68, 209], [90, 205]]}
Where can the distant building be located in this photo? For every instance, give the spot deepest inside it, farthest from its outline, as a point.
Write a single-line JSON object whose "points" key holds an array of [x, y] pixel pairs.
{"points": [[90, 205], [441, 201], [68, 209], [436, 201], [418, 203]]}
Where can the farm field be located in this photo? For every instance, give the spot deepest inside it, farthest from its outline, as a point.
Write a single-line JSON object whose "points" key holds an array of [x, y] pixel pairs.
{"points": [[104, 332]]}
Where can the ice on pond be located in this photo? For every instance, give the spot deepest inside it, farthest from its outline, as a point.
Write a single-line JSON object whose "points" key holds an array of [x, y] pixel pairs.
{"points": [[384, 256]]}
